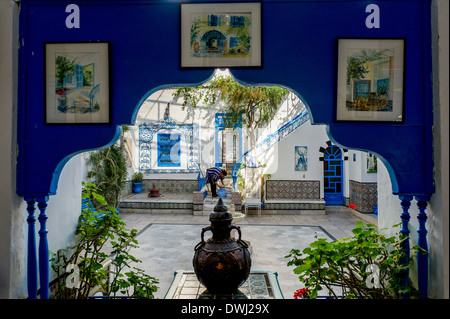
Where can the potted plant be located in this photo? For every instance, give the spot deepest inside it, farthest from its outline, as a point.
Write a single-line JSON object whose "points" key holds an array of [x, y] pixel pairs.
{"points": [[137, 182], [382, 92], [95, 270], [368, 265]]}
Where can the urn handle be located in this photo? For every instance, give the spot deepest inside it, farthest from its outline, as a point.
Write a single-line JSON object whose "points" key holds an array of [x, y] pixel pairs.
{"points": [[202, 242], [243, 243]]}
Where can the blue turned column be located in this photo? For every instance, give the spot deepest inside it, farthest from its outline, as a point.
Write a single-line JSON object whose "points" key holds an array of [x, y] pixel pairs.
{"points": [[43, 249], [406, 203], [199, 182], [32, 281], [422, 259]]}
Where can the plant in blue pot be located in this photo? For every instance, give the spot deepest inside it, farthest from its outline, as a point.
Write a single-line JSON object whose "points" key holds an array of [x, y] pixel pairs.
{"points": [[137, 182]]}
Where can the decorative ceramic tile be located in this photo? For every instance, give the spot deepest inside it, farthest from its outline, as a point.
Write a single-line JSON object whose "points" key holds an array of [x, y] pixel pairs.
{"points": [[190, 135], [236, 198], [364, 196], [276, 189], [198, 198], [259, 285], [170, 185], [294, 206]]}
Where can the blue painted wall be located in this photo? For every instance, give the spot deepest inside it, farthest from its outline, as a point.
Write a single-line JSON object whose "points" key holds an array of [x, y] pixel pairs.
{"points": [[299, 46]]}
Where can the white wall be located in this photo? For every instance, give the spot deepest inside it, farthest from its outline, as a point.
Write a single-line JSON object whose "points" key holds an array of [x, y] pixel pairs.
{"points": [[11, 237], [64, 208], [282, 163], [438, 212], [357, 170]]}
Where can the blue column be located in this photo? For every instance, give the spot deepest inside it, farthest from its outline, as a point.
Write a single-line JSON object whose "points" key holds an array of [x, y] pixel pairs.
{"points": [[32, 279], [422, 259], [406, 203], [200, 182], [43, 249]]}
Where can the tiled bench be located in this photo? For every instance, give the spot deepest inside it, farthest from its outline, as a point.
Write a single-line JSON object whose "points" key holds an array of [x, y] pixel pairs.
{"points": [[294, 206], [293, 197], [177, 197], [172, 203]]}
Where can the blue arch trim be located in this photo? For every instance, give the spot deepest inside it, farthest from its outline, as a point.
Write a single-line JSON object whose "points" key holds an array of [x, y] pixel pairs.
{"points": [[308, 70]]}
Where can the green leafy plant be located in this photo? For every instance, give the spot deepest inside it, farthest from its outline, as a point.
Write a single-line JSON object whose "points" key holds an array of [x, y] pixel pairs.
{"points": [[138, 177], [367, 265], [109, 171], [382, 90], [101, 256], [195, 31], [255, 106], [64, 65]]}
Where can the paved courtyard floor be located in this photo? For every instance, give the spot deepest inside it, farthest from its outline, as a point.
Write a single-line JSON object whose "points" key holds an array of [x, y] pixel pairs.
{"points": [[167, 241]]}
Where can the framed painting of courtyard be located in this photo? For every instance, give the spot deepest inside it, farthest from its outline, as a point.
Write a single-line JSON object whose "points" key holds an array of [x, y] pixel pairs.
{"points": [[370, 80], [220, 35], [77, 83]]}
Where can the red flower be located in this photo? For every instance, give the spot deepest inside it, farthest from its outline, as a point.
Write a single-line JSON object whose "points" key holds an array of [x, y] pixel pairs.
{"points": [[352, 206], [298, 294]]}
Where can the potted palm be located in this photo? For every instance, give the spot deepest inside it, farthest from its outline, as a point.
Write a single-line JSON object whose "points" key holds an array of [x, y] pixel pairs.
{"points": [[137, 182]]}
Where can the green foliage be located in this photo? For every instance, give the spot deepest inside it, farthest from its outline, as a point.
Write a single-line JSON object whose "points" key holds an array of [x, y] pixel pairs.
{"points": [[346, 267], [382, 89], [256, 105], [195, 31], [137, 177], [94, 235], [64, 65], [356, 69], [356, 64], [109, 172]]}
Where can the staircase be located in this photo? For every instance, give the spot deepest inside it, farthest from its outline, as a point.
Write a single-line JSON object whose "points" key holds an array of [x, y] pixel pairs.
{"points": [[209, 203], [272, 139]]}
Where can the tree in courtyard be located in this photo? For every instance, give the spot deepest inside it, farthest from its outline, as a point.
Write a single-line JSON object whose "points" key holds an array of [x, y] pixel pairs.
{"points": [[256, 106], [64, 65]]}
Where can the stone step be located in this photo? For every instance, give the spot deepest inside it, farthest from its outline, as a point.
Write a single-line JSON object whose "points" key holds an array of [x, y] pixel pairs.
{"points": [[337, 209]]}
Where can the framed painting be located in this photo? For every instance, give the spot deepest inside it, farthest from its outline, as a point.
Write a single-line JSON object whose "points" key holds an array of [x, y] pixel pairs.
{"points": [[301, 158], [370, 80], [77, 83], [220, 35]]}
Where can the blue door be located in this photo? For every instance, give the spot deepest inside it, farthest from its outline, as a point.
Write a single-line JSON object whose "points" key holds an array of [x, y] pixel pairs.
{"points": [[332, 176]]}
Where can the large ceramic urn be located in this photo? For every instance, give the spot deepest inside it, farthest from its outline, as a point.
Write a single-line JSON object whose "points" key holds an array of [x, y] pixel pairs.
{"points": [[222, 263]]}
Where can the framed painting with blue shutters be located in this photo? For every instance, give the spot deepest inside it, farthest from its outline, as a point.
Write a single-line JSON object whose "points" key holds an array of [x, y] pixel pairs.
{"points": [[77, 83], [220, 35], [169, 150]]}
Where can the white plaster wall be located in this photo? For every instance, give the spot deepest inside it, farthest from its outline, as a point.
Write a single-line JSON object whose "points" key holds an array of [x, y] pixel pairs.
{"points": [[354, 167], [12, 235], [358, 168], [64, 208], [438, 212], [282, 165]]}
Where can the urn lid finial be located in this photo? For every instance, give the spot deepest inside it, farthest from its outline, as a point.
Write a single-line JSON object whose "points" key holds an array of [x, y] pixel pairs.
{"points": [[220, 206], [220, 212]]}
